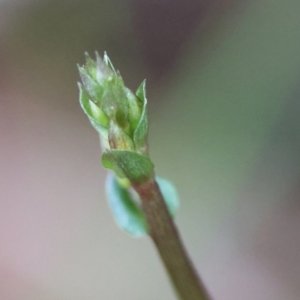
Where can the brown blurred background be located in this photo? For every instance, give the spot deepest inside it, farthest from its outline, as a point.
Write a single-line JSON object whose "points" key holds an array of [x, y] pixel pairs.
{"points": [[223, 88]]}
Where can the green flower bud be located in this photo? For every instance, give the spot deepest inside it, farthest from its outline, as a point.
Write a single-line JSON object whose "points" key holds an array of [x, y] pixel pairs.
{"points": [[115, 111], [119, 116]]}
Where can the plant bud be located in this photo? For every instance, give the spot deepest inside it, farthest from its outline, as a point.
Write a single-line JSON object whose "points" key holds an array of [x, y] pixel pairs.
{"points": [[114, 111], [119, 116]]}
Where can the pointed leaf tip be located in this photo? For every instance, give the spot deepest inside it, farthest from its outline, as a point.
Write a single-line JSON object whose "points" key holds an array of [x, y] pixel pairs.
{"points": [[109, 63], [141, 91], [141, 131]]}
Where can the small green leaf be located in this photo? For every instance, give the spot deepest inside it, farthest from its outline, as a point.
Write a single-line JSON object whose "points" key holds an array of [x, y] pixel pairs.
{"points": [[126, 212], [94, 90], [170, 194], [134, 109], [140, 133], [85, 105], [131, 165], [98, 114]]}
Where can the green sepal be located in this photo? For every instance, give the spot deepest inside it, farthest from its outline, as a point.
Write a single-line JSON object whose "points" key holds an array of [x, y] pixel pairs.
{"points": [[94, 90], [131, 165], [98, 114], [125, 211], [134, 109], [141, 131], [114, 103], [85, 105], [90, 66], [169, 193], [118, 139]]}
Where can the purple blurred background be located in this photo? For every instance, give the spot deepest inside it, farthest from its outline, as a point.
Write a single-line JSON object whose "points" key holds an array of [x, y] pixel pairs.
{"points": [[223, 90]]}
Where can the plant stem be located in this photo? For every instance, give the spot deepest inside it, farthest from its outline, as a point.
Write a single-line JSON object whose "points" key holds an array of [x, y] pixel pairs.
{"points": [[165, 236]]}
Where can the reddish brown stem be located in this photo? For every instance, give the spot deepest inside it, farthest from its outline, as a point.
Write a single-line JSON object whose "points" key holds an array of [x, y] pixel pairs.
{"points": [[168, 243]]}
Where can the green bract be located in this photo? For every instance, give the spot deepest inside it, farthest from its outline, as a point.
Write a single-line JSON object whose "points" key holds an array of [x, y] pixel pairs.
{"points": [[119, 116], [128, 164]]}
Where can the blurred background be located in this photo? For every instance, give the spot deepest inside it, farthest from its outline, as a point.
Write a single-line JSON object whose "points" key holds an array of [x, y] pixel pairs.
{"points": [[223, 88]]}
